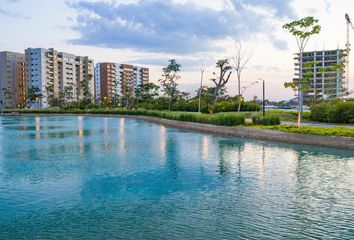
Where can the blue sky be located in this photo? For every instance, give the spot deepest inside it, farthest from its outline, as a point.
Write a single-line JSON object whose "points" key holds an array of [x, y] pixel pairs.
{"points": [[149, 32]]}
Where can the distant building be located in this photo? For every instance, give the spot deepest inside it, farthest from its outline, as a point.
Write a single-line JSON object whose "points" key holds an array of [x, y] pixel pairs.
{"points": [[327, 84], [113, 79], [84, 68], [56, 74], [12, 80]]}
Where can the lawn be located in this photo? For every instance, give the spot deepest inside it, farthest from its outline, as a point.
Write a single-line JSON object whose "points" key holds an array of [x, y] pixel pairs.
{"points": [[321, 131], [289, 116]]}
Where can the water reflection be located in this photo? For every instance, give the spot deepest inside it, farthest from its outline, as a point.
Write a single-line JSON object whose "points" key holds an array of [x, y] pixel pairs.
{"points": [[172, 156], [261, 169], [122, 141], [80, 120], [38, 127], [205, 147], [162, 131], [229, 153]]}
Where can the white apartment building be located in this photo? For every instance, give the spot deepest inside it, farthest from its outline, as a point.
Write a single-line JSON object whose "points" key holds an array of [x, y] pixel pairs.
{"points": [[97, 82], [84, 69], [67, 76], [57, 74]]}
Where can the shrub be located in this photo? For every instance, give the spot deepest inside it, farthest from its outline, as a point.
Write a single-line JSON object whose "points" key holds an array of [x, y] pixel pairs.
{"points": [[225, 119], [333, 112], [267, 120], [322, 131]]}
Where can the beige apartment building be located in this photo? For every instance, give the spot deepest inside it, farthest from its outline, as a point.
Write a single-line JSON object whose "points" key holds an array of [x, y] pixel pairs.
{"points": [[12, 80]]}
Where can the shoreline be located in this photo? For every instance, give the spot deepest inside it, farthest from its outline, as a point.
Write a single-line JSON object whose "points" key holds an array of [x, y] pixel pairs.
{"points": [[242, 132]]}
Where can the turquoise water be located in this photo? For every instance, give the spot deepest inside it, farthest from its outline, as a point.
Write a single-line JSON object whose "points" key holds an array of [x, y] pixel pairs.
{"points": [[116, 178]]}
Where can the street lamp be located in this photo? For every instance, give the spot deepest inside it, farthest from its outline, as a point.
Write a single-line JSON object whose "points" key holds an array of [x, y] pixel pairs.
{"points": [[263, 107], [202, 69]]}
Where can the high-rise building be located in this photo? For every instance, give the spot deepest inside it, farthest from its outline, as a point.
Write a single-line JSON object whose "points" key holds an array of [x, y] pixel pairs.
{"points": [[112, 79], [84, 78], [326, 81], [54, 75], [67, 76], [12, 80]]}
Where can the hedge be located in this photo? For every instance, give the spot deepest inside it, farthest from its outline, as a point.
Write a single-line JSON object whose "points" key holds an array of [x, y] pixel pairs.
{"points": [[333, 112], [224, 119], [267, 120]]}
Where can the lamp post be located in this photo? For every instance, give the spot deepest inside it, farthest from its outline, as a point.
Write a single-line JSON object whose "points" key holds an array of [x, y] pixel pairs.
{"points": [[263, 107], [202, 69]]}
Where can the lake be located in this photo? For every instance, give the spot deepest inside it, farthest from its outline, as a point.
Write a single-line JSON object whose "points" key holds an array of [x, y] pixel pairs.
{"points": [[74, 177]]}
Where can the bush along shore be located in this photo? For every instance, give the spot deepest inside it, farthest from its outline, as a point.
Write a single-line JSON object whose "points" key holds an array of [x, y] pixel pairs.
{"points": [[333, 112], [269, 122], [222, 119]]}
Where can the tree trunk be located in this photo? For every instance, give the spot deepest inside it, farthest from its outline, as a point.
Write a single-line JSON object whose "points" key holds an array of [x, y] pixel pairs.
{"points": [[300, 92], [215, 96], [239, 92], [239, 105]]}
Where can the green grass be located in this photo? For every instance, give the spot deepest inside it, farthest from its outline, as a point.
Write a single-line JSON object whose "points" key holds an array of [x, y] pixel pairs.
{"points": [[223, 119], [321, 131], [289, 116]]}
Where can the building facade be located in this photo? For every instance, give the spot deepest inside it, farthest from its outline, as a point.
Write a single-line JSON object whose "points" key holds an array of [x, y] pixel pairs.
{"points": [[113, 79], [327, 78], [58, 75], [12, 80], [85, 86]]}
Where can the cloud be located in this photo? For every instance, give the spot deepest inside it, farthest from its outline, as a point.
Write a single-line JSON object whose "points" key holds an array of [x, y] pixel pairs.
{"points": [[187, 63], [282, 8], [168, 27], [12, 1], [10, 14]]}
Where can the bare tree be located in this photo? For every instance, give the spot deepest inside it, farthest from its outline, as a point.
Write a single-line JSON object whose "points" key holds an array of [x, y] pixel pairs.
{"points": [[242, 57], [224, 77]]}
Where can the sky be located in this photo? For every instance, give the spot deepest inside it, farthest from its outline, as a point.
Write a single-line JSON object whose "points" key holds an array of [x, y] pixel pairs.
{"points": [[194, 32]]}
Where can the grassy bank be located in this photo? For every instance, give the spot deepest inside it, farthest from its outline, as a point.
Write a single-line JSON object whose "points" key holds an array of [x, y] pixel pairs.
{"points": [[223, 119], [321, 131], [289, 116]]}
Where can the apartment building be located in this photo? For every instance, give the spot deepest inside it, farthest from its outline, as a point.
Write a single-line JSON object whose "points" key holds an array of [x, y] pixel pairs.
{"points": [[12, 80], [56, 74], [84, 68], [325, 82], [112, 79], [67, 76]]}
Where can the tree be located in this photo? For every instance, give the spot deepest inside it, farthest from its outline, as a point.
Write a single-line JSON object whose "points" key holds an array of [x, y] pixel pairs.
{"points": [[224, 77], [169, 81], [8, 98], [240, 61], [68, 93], [85, 89], [128, 95], [33, 94], [146, 92], [50, 94], [302, 30], [115, 95]]}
